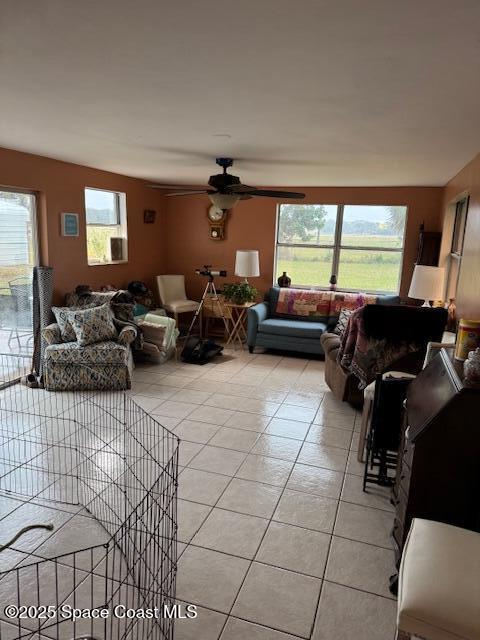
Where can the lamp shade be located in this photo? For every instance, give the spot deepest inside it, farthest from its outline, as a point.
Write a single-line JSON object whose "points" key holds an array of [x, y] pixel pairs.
{"points": [[427, 283], [247, 264], [224, 200]]}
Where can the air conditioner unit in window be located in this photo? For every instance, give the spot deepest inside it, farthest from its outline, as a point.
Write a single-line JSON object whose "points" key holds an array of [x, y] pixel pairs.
{"points": [[117, 249]]}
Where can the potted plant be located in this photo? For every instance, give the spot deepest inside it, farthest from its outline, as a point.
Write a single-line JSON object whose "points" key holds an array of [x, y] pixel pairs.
{"points": [[239, 293]]}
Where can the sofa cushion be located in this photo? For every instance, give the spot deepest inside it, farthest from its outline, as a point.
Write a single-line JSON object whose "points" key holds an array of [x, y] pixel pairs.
{"points": [[293, 328], [94, 354]]}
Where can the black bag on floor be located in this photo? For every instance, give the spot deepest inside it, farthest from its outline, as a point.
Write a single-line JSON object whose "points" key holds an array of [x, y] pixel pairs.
{"points": [[198, 351]]}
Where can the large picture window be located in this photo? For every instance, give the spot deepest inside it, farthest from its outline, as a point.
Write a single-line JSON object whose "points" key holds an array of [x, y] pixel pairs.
{"points": [[106, 220], [361, 245]]}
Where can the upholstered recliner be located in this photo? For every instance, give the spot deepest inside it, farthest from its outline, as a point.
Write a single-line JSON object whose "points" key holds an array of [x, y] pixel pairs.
{"points": [[157, 334], [389, 326], [103, 365]]}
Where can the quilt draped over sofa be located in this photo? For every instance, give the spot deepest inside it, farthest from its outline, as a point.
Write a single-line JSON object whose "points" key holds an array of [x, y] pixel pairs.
{"points": [[295, 319]]}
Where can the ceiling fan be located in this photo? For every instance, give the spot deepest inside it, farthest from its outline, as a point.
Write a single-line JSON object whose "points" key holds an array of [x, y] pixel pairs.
{"points": [[227, 189]]}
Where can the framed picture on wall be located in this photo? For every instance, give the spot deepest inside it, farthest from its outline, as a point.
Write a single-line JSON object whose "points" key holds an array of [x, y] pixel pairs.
{"points": [[70, 224], [149, 216]]}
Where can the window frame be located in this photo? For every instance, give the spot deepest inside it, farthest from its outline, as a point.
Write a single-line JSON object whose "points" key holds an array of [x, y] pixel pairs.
{"points": [[121, 225], [455, 255], [337, 246], [459, 226]]}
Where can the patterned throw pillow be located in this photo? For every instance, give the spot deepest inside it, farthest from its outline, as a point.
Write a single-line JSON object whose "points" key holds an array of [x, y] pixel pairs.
{"points": [[66, 329], [93, 325], [342, 322]]}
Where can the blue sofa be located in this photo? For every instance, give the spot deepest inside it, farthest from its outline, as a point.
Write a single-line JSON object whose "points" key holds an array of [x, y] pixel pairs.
{"points": [[272, 330]]}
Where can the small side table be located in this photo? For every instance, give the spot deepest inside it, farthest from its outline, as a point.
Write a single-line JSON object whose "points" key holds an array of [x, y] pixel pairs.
{"points": [[236, 328]]}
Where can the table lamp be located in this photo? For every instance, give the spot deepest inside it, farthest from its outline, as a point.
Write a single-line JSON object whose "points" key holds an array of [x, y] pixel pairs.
{"points": [[247, 264], [427, 283]]}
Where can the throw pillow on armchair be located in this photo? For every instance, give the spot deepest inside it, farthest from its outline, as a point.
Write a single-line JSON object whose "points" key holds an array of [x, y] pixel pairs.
{"points": [[93, 325]]}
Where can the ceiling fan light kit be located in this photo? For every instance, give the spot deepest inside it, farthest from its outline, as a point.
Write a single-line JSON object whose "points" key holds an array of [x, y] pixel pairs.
{"points": [[223, 200], [225, 190]]}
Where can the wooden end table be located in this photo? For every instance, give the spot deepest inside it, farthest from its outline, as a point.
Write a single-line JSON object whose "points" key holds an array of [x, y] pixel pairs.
{"points": [[236, 328]]}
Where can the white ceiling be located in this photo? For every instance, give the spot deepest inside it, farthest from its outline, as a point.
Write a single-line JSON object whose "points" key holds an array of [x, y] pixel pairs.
{"points": [[311, 92]]}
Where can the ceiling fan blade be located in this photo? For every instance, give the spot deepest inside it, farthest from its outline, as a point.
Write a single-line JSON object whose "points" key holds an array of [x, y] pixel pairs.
{"points": [[187, 193], [240, 188], [244, 189], [226, 184], [276, 194], [183, 187]]}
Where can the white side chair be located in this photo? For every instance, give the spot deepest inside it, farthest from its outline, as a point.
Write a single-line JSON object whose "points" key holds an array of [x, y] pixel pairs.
{"points": [[439, 583], [171, 290]]}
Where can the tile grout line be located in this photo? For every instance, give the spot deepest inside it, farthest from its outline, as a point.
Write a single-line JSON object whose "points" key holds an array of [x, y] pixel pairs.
{"points": [[291, 633], [338, 500], [294, 461], [316, 615], [189, 543], [289, 524], [251, 562]]}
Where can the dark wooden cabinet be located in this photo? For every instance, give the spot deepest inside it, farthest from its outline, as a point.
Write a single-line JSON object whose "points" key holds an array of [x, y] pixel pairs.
{"points": [[428, 250], [438, 475]]}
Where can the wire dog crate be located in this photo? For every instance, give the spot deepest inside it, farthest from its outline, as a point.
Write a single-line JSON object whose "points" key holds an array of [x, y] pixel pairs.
{"points": [[110, 472]]}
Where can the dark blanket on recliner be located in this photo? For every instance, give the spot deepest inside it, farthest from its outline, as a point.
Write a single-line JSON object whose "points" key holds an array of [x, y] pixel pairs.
{"points": [[377, 336], [397, 323]]}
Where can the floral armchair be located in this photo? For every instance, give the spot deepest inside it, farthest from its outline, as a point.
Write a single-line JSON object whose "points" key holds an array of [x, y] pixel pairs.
{"points": [[102, 365]]}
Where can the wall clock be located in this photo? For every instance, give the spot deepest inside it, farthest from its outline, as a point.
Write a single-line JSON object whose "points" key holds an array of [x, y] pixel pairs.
{"points": [[217, 218]]}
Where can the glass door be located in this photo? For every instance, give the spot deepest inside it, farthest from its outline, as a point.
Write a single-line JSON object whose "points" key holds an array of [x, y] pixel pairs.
{"points": [[18, 256]]}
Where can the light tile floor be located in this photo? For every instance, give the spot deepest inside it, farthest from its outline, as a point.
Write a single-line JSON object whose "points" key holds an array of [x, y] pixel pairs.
{"points": [[277, 539]]}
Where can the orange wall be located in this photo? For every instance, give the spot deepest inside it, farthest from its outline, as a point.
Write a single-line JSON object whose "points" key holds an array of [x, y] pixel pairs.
{"points": [[60, 186], [251, 225], [467, 181], [178, 242]]}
